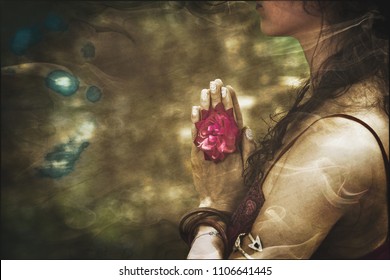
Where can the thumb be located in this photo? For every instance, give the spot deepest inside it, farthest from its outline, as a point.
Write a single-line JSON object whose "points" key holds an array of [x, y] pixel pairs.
{"points": [[248, 144]]}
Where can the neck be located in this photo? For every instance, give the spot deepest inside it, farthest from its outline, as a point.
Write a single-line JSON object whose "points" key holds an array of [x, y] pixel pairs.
{"points": [[315, 50], [318, 45]]}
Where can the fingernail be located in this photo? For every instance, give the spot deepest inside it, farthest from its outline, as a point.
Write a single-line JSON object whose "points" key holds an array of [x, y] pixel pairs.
{"points": [[249, 134], [213, 87], [203, 95], [223, 92], [195, 111]]}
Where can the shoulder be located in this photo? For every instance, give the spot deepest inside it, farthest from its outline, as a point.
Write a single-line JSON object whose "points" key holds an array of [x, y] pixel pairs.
{"points": [[339, 134], [340, 150]]}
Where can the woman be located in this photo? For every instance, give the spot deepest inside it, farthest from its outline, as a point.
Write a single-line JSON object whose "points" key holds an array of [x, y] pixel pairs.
{"points": [[316, 187]]}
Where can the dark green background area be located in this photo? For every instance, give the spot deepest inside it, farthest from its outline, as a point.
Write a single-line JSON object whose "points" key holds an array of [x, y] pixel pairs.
{"points": [[128, 188]]}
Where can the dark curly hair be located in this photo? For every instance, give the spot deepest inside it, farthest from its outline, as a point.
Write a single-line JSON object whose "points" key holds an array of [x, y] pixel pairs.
{"points": [[362, 52]]}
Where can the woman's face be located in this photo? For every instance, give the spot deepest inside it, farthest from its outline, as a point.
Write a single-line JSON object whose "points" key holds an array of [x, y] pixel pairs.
{"points": [[287, 18]]}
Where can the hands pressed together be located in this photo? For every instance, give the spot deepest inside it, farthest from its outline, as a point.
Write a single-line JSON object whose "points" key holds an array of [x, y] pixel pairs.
{"points": [[218, 176], [221, 146]]}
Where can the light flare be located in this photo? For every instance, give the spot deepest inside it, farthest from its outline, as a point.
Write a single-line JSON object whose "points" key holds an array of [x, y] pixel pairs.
{"points": [[63, 81]]}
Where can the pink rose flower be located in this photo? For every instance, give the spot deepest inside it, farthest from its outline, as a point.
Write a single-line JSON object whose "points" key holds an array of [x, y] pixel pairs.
{"points": [[218, 133]]}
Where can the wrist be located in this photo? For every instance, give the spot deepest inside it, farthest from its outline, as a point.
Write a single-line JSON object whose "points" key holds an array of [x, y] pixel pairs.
{"points": [[208, 222], [204, 229], [207, 244], [207, 202]]}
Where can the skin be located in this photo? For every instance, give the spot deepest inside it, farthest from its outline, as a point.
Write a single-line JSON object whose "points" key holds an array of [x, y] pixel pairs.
{"points": [[329, 189]]}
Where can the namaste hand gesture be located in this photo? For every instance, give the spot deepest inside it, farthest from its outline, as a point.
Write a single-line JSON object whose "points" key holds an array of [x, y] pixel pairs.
{"points": [[220, 149]]}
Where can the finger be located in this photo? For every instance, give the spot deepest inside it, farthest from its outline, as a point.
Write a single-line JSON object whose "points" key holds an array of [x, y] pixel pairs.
{"points": [[226, 98], [248, 144], [236, 107], [215, 91], [195, 117], [205, 99]]}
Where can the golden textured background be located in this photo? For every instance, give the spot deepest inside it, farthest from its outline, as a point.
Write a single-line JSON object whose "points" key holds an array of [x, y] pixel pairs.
{"points": [[123, 196]]}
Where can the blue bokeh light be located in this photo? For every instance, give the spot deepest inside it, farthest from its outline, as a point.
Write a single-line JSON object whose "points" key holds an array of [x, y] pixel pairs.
{"points": [[88, 50], [55, 23], [62, 82], [94, 94], [62, 159], [25, 38]]}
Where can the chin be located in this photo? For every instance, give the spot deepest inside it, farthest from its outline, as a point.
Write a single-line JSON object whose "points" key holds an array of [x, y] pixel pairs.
{"points": [[270, 30], [266, 30]]}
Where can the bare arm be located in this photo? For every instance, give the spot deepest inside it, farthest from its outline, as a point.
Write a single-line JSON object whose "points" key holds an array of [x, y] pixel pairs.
{"points": [[328, 171]]}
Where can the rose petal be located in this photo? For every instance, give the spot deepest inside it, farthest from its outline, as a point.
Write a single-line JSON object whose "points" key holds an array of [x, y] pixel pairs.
{"points": [[217, 133]]}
